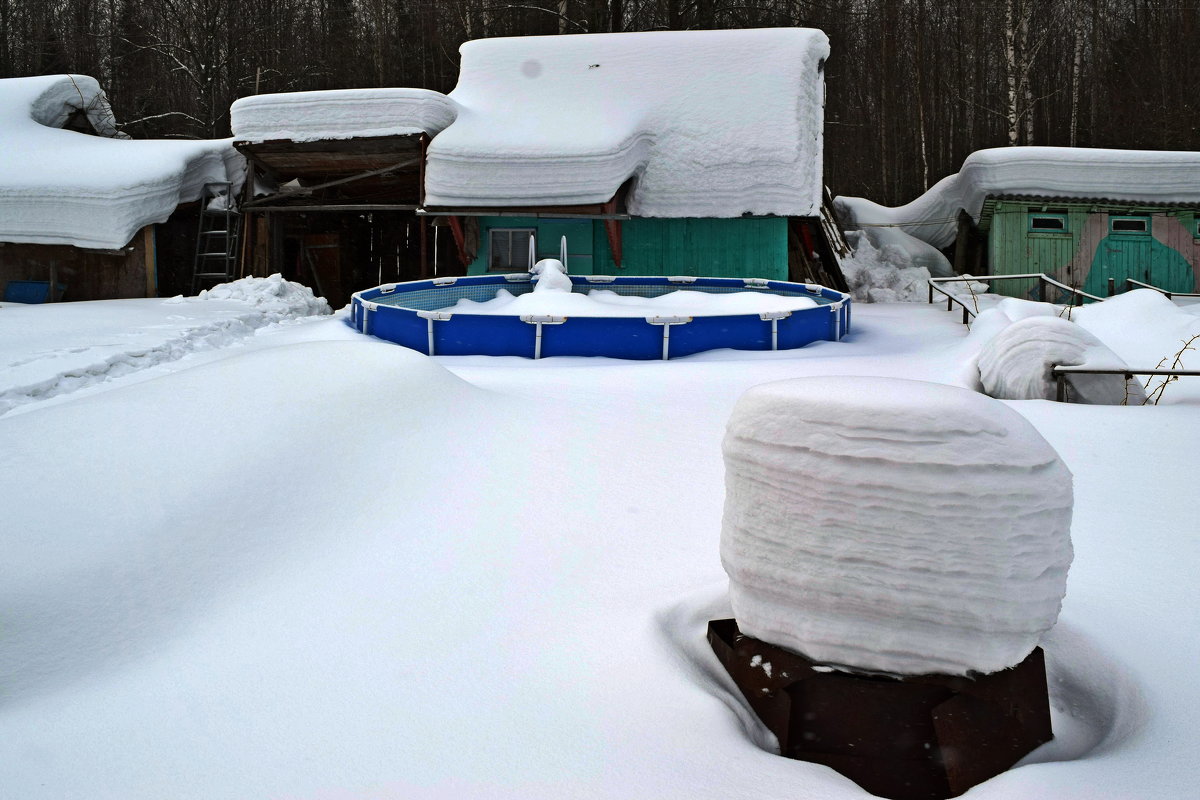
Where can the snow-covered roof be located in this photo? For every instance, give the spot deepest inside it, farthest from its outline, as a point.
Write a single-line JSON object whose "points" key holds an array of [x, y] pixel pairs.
{"points": [[340, 114], [710, 123], [1135, 176], [63, 187]]}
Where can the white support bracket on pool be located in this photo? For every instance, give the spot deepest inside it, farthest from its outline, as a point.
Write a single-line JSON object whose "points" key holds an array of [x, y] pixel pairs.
{"points": [[666, 323], [538, 321], [755, 283], [431, 317], [367, 307], [681, 279], [773, 317], [836, 312]]}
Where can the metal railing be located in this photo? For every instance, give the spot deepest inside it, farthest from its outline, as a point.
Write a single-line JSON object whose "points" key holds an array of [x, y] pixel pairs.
{"points": [[1061, 373], [1139, 285], [1042, 278]]}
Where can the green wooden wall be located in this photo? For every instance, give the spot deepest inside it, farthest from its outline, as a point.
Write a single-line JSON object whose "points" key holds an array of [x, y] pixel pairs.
{"points": [[1089, 252], [747, 247]]}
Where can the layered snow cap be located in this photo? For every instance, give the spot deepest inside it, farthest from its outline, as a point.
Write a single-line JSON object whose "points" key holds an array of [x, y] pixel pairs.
{"points": [[1144, 176], [1018, 363], [63, 187], [340, 114], [893, 525], [710, 123]]}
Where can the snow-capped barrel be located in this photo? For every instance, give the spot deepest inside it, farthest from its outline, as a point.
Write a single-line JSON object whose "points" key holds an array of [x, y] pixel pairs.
{"points": [[893, 525]]}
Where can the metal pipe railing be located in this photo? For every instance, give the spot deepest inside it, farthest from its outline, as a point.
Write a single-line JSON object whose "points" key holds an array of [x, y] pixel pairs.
{"points": [[1139, 284], [1061, 372], [1042, 278]]}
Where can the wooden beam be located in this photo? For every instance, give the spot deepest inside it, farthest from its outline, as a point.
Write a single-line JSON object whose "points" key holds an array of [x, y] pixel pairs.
{"points": [[460, 240], [424, 247], [150, 258], [612, 227], [338, 207], [308, 190]]}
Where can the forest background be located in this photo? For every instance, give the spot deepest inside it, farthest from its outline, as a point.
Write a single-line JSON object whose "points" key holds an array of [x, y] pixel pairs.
{"points": [[913, 86]]}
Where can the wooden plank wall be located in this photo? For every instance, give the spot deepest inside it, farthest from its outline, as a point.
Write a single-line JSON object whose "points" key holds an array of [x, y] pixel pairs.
{"points": [[87, 274]]}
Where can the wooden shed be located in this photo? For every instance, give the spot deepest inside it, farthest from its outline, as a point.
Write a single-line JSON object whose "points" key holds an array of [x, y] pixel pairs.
{"points": [[1091, 244]]}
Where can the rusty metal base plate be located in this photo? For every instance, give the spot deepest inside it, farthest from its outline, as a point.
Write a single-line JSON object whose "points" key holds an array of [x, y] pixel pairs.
{"points": [[923, 737]]}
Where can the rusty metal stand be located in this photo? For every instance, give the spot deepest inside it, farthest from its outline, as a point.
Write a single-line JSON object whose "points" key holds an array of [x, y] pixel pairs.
{"points": [[924, 737]]}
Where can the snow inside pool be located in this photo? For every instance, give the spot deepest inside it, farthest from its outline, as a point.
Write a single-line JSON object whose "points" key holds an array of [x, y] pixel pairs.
{"points": [[607, 303], [553, 295]]}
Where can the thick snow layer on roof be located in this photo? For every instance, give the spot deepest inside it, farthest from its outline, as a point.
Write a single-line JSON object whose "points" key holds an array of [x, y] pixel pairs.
{"points": [[1138, 176], [893, 525], [711, 123], [63, 187], [340, 114]]}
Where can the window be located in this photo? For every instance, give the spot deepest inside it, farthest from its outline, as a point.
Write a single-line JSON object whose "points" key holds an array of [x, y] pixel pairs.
{"points": [[508, 249], [1129, 225], [1047, 222]]}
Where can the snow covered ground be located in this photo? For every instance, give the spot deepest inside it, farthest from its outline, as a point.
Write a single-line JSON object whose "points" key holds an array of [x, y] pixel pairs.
{"points": [[309, 564]]}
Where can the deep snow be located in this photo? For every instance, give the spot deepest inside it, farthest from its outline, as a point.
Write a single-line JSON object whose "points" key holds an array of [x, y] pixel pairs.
{"points": [[317, 565]]}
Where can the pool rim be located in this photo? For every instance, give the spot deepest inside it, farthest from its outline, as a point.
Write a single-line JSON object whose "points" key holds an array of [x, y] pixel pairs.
{"points": [[364, 307]]}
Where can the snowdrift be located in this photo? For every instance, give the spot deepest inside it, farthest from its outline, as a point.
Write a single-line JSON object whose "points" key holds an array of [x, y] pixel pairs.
{"points": [[1018, 363], [63, 187], [708, 123]]}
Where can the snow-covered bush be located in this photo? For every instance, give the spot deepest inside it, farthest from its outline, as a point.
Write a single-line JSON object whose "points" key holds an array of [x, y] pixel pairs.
{"points": [[893, 525]]}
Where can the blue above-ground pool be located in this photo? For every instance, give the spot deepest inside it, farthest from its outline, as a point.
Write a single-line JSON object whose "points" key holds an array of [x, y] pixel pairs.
{"points": [[417, 315]]}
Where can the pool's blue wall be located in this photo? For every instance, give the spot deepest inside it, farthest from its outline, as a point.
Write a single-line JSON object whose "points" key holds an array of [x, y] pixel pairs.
{"points": [[747, 247]]}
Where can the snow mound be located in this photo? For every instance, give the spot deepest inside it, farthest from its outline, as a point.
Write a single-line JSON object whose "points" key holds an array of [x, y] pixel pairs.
{"points": [[273, 295], [709, 123], [1017, 363], [549, 275], [1144, 176], [1142, 326], [63, 187], [893, 525], [883, 274], [340, 114], [893, 267]]}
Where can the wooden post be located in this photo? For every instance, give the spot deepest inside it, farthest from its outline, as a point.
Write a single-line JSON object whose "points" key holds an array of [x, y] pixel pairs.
{"points": [[961, 242], [424, 248], [460, 240], [150, 256]]}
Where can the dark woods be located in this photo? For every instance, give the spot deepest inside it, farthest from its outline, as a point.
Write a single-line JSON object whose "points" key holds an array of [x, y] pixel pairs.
{"points": [[913, 85]]}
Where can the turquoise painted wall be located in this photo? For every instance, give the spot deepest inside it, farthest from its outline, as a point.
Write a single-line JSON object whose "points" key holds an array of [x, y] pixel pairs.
{"points": [[1088, 252], [748, 247]]}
